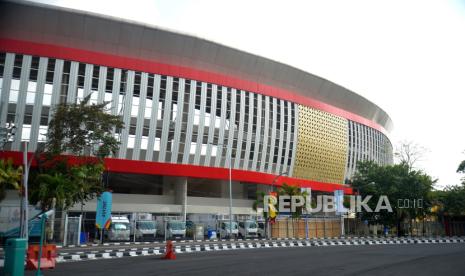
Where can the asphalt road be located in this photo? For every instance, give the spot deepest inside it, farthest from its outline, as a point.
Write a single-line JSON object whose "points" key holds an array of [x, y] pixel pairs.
{"points": [[409, 259]]}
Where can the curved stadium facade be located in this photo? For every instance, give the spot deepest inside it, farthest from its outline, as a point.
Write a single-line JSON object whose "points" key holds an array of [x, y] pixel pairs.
{"points": [[192, 108]]}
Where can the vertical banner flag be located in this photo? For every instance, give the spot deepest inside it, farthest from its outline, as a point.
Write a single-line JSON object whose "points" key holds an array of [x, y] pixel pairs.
{"points": [[103, 216], [271, 207], [339, 202]]}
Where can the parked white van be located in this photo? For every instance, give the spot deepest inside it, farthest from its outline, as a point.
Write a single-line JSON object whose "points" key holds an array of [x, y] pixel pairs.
{"points": [[171, 227], [248, 229], [120, 229], [226, 231], [143, 226]]}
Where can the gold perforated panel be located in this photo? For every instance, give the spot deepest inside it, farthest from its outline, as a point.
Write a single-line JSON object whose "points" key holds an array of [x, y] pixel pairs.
{"points": [[321, 146]]}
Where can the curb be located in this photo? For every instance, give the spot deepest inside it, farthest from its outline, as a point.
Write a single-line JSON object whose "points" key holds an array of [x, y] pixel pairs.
{"points": [[237, 245], [154, 242]]}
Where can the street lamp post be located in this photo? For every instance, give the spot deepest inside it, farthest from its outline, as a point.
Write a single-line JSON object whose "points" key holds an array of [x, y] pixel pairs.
{"points": [[268, 226], [357, 193], [230, 185], [230, 196], [25, 234], [276, 178], [7, 134]]}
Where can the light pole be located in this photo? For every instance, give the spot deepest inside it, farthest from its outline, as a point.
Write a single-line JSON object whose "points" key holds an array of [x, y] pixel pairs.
{"points": [[357, 193], [7, 134], [230, 183], [230, 195], [276, 178], [268, 225], [25, 234]]}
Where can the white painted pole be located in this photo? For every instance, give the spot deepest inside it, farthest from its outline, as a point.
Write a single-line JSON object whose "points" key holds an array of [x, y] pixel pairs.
{"points": [[25, 197], [65, 237], [230, 197], [342, 226], [79, 230], [135, 229], [230, 185], [185, 204]]}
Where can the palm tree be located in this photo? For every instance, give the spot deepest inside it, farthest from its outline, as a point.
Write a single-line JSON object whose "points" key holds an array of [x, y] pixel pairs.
{"points": [[10, 177], [292, 190], [53, 190], [284, 190], [259, 202]]}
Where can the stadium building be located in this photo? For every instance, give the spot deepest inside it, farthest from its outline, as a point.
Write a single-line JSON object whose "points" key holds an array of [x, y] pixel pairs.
{"points": [[192, 108]]}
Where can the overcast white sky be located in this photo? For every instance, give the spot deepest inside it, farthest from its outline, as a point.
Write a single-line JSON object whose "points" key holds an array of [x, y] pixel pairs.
{"points": [[408, 57]]}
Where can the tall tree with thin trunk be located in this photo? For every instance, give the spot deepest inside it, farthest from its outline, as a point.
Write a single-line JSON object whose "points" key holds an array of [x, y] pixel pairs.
{"points": [[461, 169], [410, 153], [293, 190], [81, 132]]}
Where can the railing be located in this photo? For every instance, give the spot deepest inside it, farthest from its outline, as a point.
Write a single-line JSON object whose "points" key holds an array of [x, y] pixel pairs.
{"points": [[74, 228]]}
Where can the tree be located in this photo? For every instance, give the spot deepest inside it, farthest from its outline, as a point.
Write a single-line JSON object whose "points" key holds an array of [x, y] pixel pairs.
{"points": [[63, 185], [10, 177], [461, 169], [451, 199], [410, 153], [284, 190], [292, 190], [397, 182], [259, 203], [85, 131]]}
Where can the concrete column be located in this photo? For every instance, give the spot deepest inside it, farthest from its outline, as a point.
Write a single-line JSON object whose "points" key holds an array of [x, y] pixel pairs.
{"points": [[238, 190], [168, 188], [224, 189]]}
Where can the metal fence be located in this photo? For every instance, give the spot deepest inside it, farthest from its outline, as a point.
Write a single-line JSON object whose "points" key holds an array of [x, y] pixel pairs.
{"points": [[423, 228], [75, 227], [457, 228], [288, 227], [355, 227]]}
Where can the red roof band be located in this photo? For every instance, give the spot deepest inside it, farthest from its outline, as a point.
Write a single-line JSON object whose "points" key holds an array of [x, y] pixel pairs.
{"points": [[85, 56]]}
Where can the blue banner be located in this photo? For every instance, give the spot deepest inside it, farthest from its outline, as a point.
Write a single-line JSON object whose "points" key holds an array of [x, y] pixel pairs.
{"points": [[339, 202], [103, 216]]}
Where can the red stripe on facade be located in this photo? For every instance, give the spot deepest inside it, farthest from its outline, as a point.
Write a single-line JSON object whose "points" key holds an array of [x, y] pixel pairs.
{"points": [[85, 56], [158, 168]]}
